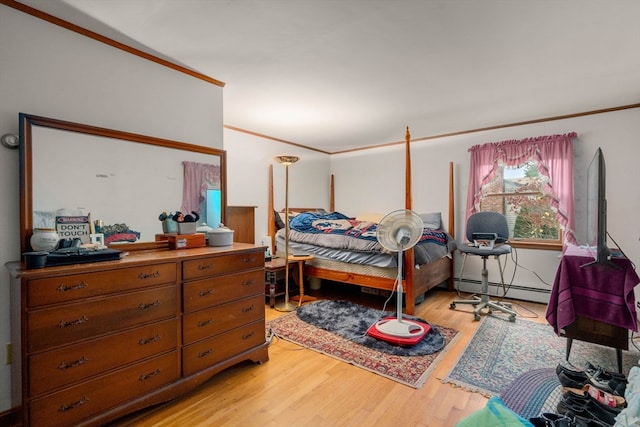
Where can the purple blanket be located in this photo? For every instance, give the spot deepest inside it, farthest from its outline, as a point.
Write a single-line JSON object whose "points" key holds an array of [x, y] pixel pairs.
{"points": [[598, 292]]}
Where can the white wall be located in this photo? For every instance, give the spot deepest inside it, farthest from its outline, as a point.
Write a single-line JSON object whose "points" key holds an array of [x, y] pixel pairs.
{"points": [[49, 71], [373, 181], [248, 160]]}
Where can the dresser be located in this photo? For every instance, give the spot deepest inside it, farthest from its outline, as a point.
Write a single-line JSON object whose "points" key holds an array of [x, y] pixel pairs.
{"points": [[95, 341]]}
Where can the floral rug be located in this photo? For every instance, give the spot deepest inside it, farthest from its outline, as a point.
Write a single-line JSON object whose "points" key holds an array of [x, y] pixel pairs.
{"points": [[501, 350], [405, 369]]}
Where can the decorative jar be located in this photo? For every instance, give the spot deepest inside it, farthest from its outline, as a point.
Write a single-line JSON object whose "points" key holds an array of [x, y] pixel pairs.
{"points": [[44, 239]]}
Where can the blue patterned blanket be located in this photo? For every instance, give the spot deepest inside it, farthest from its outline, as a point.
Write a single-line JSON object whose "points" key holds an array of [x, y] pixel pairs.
{"points": [[335, 223]]}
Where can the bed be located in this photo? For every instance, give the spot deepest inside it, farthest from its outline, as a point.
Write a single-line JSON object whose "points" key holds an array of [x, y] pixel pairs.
{"points": [[374, 269]]}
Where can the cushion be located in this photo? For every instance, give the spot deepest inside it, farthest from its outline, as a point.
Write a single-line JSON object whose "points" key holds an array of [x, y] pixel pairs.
{"points": [[432, 220]]}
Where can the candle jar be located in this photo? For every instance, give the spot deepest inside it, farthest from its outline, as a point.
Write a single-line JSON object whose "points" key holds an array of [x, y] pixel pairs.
{"points": [[44, 239]]}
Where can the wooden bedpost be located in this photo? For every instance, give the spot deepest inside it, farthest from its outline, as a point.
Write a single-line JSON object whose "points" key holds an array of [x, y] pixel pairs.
{"points": [[332, 196], [451, 227], [408, 257]]}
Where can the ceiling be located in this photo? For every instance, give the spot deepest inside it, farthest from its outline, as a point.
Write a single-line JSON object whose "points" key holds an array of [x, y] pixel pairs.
{"points": [[337, 75]]}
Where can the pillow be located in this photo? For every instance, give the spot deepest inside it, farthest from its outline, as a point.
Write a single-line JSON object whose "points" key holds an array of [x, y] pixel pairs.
{"points": [[432, 220], [278, 219], [280, 216]]}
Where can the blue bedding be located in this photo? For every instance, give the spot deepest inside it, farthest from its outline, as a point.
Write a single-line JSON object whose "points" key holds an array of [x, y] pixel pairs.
{"points": [[335, 223]]}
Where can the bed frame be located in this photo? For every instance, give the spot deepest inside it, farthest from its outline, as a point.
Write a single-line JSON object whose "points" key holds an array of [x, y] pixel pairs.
{"points": [[416, 281]]}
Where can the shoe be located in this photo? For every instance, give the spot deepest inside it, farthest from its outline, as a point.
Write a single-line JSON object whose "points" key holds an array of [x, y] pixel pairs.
{"points": [[613, 375], [548, 419], [558, 420], [600, 396], [581, 398], [611, 382], [570, 380], [584, 407], [568, 368]]}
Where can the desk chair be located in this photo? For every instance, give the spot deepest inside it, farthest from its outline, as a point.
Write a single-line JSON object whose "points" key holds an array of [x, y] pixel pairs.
{"points": [[486, 233]]}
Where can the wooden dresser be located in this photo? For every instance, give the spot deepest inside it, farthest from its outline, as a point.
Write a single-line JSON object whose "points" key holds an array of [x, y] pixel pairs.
{"points": [[242, 220], [93, 342]]}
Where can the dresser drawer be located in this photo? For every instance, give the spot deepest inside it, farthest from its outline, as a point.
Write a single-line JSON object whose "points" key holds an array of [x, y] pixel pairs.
{"points": [[206, 353], [69, 323], [213, 321], [56, 368], [71, 405], [214, 266], [215, 290], [67, 288]]}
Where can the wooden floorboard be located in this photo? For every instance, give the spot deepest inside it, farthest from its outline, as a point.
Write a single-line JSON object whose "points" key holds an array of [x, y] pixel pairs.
{"points": [[299, 387]]}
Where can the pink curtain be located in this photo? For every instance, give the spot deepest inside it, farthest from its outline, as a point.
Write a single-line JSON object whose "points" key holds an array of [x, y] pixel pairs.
{"points": [[554, 155], [198, 177]]}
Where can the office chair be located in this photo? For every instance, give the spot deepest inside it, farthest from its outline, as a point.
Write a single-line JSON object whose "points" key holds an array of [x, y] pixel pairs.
{"points": [[486, 233]]}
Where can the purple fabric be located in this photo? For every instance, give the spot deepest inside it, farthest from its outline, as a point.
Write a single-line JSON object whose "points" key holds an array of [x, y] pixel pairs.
{"points": [[599, 292], [554, 155]]}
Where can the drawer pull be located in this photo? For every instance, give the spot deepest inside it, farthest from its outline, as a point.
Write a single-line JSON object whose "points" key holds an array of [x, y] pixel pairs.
{"points": [[144, 341], [250, 259], [247, 336], [65, 408], [205, 323], [248, 309], [205, 267], [64, 365], [248, 283], [65, 288], [205, 353], [205, 293], [143, 276], [144, 306], [145, 377], [64, 323]]}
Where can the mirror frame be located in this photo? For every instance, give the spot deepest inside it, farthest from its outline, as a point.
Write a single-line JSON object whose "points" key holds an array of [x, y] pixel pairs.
{"points": [[27, 121]]}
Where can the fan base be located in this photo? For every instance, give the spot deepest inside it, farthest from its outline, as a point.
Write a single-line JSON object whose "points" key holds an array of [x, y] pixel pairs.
{"points": [[399, 332]]}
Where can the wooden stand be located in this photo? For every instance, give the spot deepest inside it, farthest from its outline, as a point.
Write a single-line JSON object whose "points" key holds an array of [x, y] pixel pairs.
{"points": [[594, 331], [300, 260]]}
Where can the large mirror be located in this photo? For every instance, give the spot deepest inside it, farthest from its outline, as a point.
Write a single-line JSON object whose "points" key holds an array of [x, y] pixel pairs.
{"points": [[119, 178]]}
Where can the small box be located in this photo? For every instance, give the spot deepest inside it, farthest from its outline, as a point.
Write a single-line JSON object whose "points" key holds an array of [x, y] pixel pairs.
{"points": [[186, 241]]}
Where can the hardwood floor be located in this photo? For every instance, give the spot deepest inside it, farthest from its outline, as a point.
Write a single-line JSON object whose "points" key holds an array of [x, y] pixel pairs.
{"points": [[299, 387]]}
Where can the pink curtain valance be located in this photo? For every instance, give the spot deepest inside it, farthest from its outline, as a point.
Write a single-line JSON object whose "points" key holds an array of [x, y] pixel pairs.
{"points": [[554, 155], [198, 177]]}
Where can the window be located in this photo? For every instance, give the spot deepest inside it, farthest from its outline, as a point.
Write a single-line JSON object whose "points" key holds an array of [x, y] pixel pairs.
{"points": [[530, 181], [518, 192]]}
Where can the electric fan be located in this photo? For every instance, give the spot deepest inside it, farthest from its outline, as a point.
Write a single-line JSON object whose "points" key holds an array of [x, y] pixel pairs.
{"points": [[398, 231]]}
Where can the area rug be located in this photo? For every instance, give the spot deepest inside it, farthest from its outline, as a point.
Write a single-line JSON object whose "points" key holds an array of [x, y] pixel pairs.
{"points": [[338, 329], [500, 351]]}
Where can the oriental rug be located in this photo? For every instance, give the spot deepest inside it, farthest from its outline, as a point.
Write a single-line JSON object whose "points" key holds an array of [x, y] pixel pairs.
{"points": [[500, 351], [338, 329]]}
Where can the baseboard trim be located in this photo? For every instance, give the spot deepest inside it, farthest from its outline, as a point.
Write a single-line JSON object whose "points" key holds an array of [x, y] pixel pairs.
{"points": [[517, 292]]}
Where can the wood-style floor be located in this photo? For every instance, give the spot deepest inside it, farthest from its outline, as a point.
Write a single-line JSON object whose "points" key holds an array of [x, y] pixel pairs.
{"points": [[299, 387]]}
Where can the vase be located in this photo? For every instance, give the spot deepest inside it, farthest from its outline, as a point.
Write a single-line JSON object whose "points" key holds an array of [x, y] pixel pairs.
{"points": [[44, 239]]}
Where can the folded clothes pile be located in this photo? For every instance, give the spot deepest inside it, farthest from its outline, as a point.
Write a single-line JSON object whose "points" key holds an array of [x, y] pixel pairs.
{"points": [[592, 396]]}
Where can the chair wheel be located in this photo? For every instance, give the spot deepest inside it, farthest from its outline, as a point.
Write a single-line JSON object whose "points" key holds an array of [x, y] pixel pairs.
{"points": [[512, 318], [476, 317], [452, 305]]}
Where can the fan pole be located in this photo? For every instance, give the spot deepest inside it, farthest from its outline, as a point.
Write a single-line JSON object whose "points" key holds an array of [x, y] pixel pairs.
{"points": [[400, 288]]}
